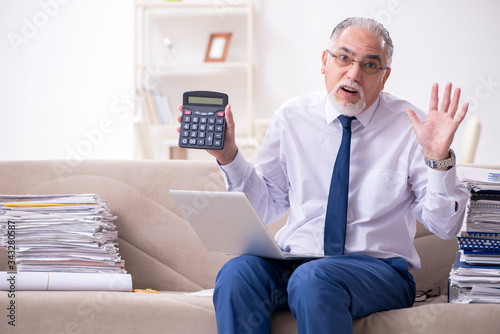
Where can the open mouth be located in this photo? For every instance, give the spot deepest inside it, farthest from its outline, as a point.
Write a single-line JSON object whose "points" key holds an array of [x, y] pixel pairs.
{"points": [[349, 89]]}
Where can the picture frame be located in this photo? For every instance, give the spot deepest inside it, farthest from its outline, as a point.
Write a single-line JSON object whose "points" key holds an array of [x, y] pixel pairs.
{"points": [[217, 47]]}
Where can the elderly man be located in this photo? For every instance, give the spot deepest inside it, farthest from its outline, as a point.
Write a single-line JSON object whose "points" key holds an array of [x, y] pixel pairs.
{"points": [[356, 168]]}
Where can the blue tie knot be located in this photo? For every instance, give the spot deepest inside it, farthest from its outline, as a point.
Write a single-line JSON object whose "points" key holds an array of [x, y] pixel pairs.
{"points": [[346, 120]]}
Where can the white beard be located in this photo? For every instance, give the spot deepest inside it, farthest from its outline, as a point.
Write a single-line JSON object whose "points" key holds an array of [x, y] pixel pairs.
{"points": [[346, 108]]}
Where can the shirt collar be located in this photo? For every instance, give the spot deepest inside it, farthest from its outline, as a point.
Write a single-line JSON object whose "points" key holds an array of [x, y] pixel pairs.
{"points": [[364, 118]]}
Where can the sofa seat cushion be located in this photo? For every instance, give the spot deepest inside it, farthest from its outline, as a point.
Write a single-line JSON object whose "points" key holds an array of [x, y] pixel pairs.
{"points": [[176, 312], [108, 312], [428, 318], [433, 318]]}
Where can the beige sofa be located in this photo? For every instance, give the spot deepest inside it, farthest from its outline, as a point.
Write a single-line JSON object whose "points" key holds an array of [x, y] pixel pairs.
{"points": [[163, 253]]}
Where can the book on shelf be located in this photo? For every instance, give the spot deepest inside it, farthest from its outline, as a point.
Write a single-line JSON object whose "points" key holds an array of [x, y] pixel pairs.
{"points": [[148, 107], [156, 107], [54, 238], [162, 107], [475, 276]]}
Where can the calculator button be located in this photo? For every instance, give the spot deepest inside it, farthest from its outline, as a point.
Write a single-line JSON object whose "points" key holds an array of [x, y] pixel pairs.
{"points": [[201, 134], [196, 119], [185, 133], [211, 128], [210, 139], [201, 142], [187, 112], [184, 141], [201, 113], [203, 120], [220, 114], [192, 141], [185, 127], [211, 121], [194, 134], [219, 128], [194, 127], [217, 143], [187, 119], [220, 121], [203, 127], [218, 135]]}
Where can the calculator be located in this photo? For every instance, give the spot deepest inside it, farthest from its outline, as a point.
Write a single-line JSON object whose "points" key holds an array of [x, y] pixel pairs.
{"points": [[203, 123]]}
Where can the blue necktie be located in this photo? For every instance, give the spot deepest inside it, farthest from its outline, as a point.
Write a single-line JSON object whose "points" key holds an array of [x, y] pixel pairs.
{"points": [[336, 211]]}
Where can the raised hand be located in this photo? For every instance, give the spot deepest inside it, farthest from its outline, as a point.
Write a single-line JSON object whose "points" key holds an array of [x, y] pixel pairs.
{"points": [[436, 133]]}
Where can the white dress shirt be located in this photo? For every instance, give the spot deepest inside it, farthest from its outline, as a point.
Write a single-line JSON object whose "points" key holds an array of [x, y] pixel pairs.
{"points": [[389, 189]]}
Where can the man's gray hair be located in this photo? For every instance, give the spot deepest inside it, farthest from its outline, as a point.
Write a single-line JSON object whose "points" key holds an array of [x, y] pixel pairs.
{"points": [[368, 24]]}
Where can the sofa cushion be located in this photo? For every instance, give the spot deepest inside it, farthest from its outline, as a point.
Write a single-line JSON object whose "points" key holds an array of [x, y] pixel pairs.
{"points": [[175, 312], [434, 318], [109, 312], [429, 318]]}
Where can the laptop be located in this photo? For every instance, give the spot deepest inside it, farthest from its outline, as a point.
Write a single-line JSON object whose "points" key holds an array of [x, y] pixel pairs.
{"points": [[227, 223]]}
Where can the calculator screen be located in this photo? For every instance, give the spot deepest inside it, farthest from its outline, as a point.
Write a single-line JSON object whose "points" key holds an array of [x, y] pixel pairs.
{"points": [[205, 100]]}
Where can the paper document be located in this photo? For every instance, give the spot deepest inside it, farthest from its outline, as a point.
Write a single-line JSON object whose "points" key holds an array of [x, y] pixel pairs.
{"points": [[54, 281]]}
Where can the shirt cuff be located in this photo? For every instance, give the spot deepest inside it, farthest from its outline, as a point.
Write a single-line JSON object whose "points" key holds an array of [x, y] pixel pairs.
{"points": [[442, 182], [234, 173]]}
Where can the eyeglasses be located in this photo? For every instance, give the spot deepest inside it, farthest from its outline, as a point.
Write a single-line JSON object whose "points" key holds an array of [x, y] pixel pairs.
{"points": [[368, 66], [422, 296]]}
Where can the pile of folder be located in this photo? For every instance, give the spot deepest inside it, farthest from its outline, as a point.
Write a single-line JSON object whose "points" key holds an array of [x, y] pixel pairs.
{"points": [[61, 238], [475, 276]]}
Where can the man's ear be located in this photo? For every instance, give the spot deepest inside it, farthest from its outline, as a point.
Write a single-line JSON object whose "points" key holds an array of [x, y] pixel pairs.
{"points": [[324, 60], [385, 77]]}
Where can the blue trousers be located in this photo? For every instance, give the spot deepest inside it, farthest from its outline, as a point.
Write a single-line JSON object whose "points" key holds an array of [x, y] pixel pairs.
{"points": [[324, 295]]}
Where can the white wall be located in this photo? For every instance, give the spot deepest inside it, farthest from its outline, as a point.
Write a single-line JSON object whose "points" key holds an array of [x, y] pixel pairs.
{"points": [[66, 84], [66, 79]]}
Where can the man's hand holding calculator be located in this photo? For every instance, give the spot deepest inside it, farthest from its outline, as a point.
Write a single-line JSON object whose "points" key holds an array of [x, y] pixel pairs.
{"points": [[201, 128]]}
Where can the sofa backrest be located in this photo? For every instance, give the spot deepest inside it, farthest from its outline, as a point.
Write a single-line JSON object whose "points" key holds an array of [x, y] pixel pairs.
{"points": [[160, 249]]}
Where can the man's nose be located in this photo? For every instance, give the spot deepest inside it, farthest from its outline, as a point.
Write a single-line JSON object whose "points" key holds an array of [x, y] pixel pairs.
{"points": [[354, 71]]}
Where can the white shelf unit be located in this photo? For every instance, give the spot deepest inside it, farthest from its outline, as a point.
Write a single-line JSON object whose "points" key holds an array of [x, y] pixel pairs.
{"points": [[188, 24]]}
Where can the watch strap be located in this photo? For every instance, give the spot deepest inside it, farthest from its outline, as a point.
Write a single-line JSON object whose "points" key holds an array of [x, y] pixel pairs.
{"points": [[445, 163]]}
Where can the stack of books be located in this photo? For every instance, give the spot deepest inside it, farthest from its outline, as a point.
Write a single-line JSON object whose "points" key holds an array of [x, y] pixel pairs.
{"points": [[61, 242], [475, 276]]}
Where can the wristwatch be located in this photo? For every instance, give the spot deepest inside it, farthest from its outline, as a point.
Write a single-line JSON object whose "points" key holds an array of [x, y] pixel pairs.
{"points": [[445, 163]]}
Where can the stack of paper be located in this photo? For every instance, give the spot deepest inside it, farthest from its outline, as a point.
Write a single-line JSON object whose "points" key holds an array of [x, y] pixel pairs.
{"points": [[474, 283], [62, 235], [480, 178], [475, 277]]}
